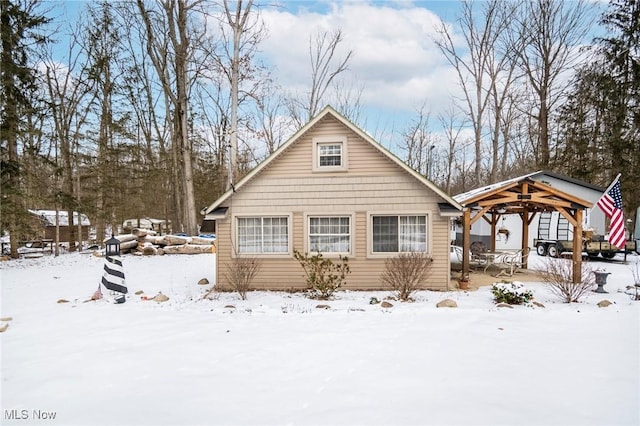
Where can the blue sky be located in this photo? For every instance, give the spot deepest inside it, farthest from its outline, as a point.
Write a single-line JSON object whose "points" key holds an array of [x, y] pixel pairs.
{"points": [[395, 58], [395, 62]]}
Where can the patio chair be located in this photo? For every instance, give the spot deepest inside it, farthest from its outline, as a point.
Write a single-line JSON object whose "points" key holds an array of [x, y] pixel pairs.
{"points": [[511, 263], [478, 257]]}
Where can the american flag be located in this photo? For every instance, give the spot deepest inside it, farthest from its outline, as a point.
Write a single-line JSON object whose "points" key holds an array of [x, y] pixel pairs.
{"points": [[611, 204]]}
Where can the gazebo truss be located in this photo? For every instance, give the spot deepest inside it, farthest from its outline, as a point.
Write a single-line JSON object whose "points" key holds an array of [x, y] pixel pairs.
{"points": [[524, 197]]}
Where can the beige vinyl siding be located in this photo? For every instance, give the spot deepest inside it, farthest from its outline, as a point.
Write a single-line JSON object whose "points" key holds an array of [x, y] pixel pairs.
{"points": [[273, 273], [287, 274], [363, 158], [372, 185]]}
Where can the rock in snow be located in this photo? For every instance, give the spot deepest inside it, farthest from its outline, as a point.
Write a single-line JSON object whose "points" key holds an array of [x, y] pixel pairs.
{"points": [[447, 303]]}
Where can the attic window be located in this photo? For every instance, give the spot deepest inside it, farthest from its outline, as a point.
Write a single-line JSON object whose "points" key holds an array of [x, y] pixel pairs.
{"points": [[330, 153]]}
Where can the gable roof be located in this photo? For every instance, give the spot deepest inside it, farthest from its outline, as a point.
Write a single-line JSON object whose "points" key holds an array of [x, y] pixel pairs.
{"points": [[49, 217], [521, 194], [328, 110], [539, 174]]}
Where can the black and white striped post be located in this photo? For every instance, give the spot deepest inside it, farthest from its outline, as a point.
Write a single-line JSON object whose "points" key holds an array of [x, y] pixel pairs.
{"points": [[113, 277]]}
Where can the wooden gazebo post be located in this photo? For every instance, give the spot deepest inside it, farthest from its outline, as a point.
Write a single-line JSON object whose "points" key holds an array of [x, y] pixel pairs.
{"points": [[466, 240], [494, 222], [577, 248], [524, 216], [525, 197]]}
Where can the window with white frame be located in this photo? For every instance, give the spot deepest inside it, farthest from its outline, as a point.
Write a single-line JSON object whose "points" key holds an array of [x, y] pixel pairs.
{"points": [[399, 234], [263, 235], [330, 153], [330, 234]]}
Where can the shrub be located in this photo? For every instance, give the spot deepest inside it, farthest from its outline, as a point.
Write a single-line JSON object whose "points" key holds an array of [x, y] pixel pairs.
{"points": [[636, 280], [513, 293], [324, 276], [240, 273], [558, 277], [404, 273]]}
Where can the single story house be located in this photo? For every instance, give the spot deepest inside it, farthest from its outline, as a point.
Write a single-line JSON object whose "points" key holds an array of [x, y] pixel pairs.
{"points": [[47, 220], [160, 226], [331, 188]]}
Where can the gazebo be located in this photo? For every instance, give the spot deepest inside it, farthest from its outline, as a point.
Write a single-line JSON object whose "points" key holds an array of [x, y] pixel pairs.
{"points": [[524, 197]]}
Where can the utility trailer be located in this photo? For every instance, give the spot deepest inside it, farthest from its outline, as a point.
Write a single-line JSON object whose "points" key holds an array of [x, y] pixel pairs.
{"points": [[555, 235]]}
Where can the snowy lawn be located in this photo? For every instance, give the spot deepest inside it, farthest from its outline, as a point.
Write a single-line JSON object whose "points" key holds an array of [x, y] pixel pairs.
{"points": [[277, 359]]}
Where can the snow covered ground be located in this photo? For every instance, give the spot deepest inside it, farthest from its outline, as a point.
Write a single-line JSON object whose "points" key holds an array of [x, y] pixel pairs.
{"points": [[277, 359]]}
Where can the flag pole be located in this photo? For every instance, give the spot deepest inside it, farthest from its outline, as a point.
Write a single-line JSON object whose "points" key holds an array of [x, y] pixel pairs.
{"points": [[613, 183]]}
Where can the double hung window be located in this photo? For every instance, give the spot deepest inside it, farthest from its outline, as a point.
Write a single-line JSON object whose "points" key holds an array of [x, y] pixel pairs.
{"points": [[330, 153], [399, 234], [330, 234], [263, 235]]}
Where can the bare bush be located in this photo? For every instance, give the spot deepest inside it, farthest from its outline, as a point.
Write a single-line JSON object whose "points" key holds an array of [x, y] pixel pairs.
{"points": [[240, 274], [635, 271], [558, 276], [404, 273]]}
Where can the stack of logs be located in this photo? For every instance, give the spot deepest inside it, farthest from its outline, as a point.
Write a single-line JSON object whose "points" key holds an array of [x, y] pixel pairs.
{"points": [[147, 242]]}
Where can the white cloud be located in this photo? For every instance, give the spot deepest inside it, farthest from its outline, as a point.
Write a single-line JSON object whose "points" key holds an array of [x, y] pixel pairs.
{"points": [[395, 58]]}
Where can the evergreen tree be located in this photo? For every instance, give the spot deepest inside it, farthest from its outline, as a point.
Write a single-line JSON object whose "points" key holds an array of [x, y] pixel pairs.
{"points": [[621, 54], [20, 24], [601, 121]]}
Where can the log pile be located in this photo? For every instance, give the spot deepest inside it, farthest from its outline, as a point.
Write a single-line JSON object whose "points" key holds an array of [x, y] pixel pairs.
{"points": [[147, 242]]}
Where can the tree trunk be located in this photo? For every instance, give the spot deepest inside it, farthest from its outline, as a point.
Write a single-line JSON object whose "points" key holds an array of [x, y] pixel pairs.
{"points": [[187, 249], [543, 134]]}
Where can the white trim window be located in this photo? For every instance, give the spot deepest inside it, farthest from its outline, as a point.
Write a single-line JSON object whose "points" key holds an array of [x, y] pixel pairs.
{"points": [[330, 153], [263, 235], [330, 234], [399, 234]]}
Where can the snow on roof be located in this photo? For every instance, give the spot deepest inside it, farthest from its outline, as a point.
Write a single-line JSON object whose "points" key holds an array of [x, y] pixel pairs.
{"points": [[461, 198], [49, 216]]}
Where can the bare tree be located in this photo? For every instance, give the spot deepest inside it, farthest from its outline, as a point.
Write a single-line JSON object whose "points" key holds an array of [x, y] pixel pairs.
{"points": [[247, 31], [452, 128], [481, 72], [151, 122], [172, 39], [418, 144], [101, 34], [214, 105], [517, 150], [348, 99], [549, 35], [325, 67], [478, 70], [272, 125], [70, 95], [501, 69]]}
